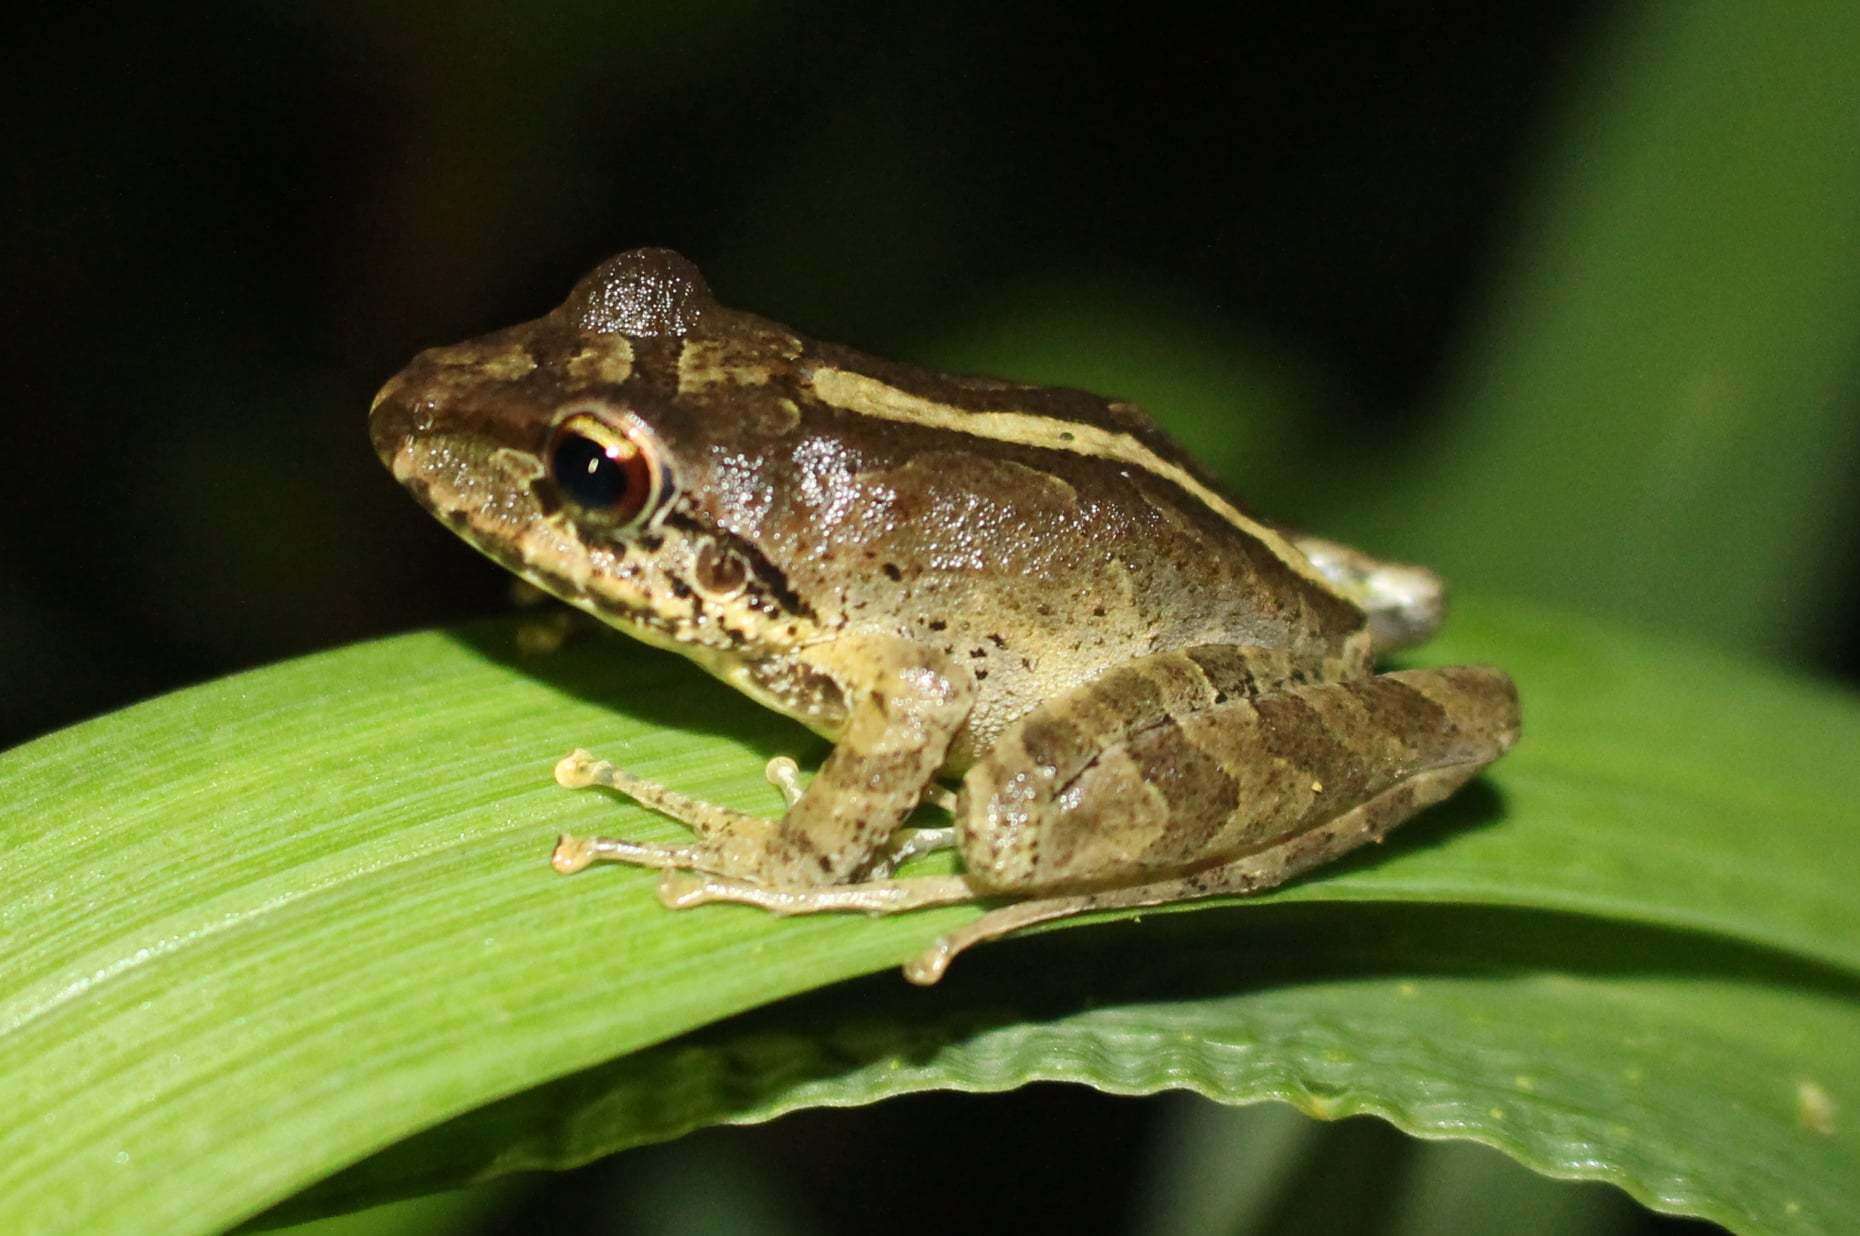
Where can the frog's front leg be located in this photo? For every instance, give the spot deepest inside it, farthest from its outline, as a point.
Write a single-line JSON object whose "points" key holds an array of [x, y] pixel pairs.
{"points": [[906, 703]]}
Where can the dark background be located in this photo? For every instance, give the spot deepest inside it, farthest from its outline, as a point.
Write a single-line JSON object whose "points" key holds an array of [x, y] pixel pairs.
{"points": [[230, 223]]}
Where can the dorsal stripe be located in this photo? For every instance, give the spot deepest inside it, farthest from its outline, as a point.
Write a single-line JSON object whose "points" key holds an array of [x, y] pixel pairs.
{"points": [[863, 395]]}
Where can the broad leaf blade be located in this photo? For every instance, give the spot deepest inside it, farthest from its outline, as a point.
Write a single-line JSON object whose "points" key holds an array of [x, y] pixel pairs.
{"points": [[1680, 1068], [258, 930]]}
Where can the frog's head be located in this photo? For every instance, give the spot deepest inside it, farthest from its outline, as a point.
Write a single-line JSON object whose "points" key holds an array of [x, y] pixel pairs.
{"points": [[580, 451]]}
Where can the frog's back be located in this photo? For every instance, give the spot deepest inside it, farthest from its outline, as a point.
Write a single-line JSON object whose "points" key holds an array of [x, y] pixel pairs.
{"points": [[1003, 409], [1040, 535], [1098, 473]]}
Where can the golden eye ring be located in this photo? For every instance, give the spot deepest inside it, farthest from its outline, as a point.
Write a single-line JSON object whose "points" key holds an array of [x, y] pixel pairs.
{"points": [[605, 469]]}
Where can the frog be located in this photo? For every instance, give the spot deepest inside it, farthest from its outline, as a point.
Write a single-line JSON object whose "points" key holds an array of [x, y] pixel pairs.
{"points": [[1024, 606]]}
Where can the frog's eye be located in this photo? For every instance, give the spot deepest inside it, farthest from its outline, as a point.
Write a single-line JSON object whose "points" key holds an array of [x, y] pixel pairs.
{"points": [[604, 469]]}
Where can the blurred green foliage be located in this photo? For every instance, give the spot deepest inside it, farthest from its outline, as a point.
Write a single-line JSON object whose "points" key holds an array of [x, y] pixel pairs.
{"points": [[1656, 415]]}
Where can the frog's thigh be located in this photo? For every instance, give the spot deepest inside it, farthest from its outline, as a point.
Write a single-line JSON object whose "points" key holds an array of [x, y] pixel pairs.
{"points": [[1195, 789], [1389, 746], [1016, 783]]}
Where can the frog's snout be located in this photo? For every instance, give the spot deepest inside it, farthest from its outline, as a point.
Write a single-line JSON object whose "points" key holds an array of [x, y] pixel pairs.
{"points": [[392, 422]]}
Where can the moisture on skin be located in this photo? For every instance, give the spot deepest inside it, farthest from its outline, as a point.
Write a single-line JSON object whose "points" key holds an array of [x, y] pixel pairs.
{"points": [[1149, 693]]}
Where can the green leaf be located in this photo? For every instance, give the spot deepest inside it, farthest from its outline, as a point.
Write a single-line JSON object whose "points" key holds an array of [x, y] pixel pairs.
{"points": [[1672, 1067], [256, 931]]}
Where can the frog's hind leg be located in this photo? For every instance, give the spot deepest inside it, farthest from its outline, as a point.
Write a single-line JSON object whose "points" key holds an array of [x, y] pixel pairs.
{"points": [[1250, 873], [1239, 797], [1405, 604], [681, 890], [1233, 797]]}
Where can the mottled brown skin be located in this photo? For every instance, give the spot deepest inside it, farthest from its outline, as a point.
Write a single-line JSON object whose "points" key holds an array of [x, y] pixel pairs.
{"points": [[945, 574]]}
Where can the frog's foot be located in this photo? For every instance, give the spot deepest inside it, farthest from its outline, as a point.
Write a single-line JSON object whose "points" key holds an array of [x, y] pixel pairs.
{"points": [[728, 842], [579, 769], [740, 857], [681, 890]]}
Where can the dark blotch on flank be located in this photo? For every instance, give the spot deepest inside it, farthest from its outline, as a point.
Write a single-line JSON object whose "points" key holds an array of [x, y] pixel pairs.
{"points": [[1200, 793], [1227, 671], [1053, 743], [1403, 711]]}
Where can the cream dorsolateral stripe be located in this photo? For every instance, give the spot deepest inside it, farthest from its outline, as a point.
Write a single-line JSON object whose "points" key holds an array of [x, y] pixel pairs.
{"points": [[867, 396]]}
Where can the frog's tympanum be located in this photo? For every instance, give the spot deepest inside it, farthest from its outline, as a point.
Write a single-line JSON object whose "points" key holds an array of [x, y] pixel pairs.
{"points": [[1146, 693]]}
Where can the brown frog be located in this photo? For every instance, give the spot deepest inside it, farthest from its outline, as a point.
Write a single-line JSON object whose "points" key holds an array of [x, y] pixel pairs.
{"points": [[1147, 693]]}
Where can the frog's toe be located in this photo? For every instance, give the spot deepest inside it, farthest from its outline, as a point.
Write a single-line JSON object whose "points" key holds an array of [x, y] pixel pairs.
{"points": [[928, 967], [573, 853], [570, 854], [785, 775], [680, 890], [578, 769]]}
